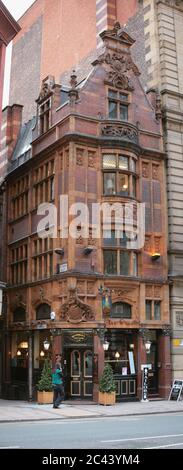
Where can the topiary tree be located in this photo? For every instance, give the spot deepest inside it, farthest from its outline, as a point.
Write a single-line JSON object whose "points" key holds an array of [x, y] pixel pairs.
{"points": [[45, 382], [106, 382]]}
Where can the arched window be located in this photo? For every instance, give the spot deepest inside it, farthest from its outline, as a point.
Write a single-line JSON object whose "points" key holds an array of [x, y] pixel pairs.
{"points": [[43, 312], [19, 314], [121, 310]]}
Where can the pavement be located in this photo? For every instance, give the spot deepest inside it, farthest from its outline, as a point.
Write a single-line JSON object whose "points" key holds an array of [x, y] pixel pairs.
{"points": [[17, 411]]}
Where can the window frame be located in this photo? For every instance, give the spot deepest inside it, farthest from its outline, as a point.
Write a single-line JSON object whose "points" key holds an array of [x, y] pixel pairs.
{"points": [[153, 302], [118, 251], [119, 102], [116, 173]]}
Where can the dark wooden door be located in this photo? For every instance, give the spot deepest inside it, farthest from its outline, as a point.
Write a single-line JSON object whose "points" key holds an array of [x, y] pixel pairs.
{"points": [[79, 373]]}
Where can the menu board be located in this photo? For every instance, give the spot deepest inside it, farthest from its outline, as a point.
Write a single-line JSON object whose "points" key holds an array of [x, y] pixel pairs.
{"points": [[176, 390]]}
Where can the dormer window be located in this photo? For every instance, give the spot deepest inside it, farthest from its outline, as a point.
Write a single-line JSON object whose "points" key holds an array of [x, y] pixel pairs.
{"points": [[118, 105], [44, 116]]}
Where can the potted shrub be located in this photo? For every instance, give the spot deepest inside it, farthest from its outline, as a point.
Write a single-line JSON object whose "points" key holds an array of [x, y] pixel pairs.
{"points": [[44, 386], [107, 387]]}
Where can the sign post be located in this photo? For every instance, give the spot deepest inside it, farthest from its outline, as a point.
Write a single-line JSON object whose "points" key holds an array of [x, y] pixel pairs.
{"points": [[176, 390], [145, 368]]}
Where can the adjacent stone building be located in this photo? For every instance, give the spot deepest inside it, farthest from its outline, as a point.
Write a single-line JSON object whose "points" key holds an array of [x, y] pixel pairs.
{"points": [[99, 141], [164, 54]]}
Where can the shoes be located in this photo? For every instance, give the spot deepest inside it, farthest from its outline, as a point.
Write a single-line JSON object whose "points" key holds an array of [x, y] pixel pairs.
{"points": [[55, 406]]}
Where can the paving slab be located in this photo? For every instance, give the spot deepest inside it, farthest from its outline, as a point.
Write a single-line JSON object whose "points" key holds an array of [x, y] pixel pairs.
{"points": [[11, 411]]}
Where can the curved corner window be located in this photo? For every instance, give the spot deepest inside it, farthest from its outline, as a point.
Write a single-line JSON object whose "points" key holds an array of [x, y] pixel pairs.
{"points": [[121, 310], [119, 175], [43, 312]]}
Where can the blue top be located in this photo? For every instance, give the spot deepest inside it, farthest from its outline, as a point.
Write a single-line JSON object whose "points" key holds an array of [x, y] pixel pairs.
{"points": [[57, 376]]}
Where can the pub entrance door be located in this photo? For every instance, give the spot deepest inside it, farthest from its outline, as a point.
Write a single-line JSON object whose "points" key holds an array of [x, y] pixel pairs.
{"points": [[79, 365]]}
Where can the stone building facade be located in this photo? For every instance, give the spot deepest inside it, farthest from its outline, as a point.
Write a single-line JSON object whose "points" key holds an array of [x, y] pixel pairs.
{"points": [[100, 142], [164, 52]]}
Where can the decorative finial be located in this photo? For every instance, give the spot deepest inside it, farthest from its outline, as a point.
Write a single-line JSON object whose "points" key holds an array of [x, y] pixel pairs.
{"points": [[73, 80], [73, 92]]}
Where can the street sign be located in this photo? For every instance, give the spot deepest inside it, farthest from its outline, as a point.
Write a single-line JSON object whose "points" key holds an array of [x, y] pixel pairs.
{"points": [[148, 366], [63, 268], [176, 390], [145, 384]]}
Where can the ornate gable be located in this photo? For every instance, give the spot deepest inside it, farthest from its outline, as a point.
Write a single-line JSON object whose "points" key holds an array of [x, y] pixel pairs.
{"points": [[116, 59]]}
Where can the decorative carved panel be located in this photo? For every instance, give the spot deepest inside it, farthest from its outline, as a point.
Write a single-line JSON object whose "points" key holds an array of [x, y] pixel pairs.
{"points": [[157, 244], [79, 157], [118, 130], [91, 159], [145, 170], [157, 292], [147, 244], [76, 311], [90, 288], [81, 287], [155, 172]]}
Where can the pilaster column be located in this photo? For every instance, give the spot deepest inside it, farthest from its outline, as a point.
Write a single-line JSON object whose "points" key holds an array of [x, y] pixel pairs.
{"points": [[98, 363], [141, 359], [30, 367], [164, 362]]}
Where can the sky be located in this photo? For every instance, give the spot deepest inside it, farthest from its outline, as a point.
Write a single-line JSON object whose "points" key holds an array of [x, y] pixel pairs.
{"points": [[16, 8]]}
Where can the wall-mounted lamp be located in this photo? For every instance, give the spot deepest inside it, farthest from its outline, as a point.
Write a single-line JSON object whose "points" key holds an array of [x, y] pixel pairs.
{"points": [[19, 353], [106, 345], [131, 345], [59, 251], [52, 315], [155, 256], [117, 355], [147, 346], [46, 344], [88, 250]]}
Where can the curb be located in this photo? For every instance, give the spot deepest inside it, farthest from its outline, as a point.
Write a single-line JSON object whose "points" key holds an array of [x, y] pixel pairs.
{"points": [[26, 420]]}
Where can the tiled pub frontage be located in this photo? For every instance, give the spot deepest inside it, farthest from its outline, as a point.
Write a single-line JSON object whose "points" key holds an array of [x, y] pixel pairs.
{"points": [[86, 345]]}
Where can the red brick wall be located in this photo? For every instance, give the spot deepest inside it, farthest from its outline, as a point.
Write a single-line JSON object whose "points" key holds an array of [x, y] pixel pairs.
{"points": [[68, 39], [2, 62], [29, 18], [126, 9]]}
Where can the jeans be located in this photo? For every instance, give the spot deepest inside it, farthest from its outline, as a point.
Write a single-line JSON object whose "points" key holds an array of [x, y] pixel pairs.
{"points": [[58, 394]]}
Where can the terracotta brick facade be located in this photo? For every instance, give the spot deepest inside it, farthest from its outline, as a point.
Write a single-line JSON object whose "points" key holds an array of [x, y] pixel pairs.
{"points": [[71, 277]]}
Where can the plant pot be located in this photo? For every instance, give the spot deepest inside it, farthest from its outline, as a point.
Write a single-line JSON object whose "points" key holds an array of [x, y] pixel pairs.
{"points": [[44, 397], [107, 398]]}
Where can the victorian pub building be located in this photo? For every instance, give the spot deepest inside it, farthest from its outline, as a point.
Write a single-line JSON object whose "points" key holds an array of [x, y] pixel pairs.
{"points": [[96, 141]]}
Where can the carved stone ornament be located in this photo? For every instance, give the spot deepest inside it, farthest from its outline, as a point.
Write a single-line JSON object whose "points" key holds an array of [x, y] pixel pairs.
{"points": [[166, 330], [117, 68], [76, 311], [46, 88], [116, 130]]}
